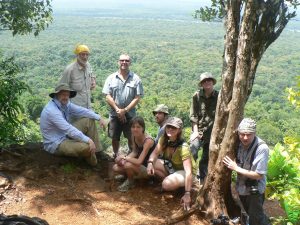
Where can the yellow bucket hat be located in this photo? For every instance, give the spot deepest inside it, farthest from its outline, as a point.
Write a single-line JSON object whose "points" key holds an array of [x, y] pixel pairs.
{"points": [[81, 48]]}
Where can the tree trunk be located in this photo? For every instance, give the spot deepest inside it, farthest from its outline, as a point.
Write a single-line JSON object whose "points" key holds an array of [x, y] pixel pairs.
{"points": [[246, 40]]}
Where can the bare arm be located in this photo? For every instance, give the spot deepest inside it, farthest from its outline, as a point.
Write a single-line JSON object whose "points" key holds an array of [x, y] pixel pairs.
{"points": [[186, 198], [247, 173], [152, 159], [109, 99], [138, 161]]}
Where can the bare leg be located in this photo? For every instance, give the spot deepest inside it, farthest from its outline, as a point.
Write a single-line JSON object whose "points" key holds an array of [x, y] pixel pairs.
{"points": [[115, 145]]}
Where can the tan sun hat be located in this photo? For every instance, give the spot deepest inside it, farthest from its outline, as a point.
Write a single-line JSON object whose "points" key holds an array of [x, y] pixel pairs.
{"points": [[205, 76], [161, 108], [174, 122], [63, 87]]}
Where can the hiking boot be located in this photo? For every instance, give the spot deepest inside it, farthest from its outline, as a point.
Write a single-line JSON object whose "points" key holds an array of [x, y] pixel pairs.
{"points": [[103, 156], [126, 185], [92, 160]]}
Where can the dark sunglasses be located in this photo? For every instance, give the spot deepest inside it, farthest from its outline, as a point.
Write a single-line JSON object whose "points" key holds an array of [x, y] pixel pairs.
{"points": [[124, 60]]}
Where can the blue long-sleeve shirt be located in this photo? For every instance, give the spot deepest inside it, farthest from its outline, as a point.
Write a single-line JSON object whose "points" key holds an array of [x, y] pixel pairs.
{"points": [[55, 126]]}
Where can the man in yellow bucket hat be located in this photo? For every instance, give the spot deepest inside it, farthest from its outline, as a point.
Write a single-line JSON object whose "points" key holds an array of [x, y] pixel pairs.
{"points": [[79, 76]]}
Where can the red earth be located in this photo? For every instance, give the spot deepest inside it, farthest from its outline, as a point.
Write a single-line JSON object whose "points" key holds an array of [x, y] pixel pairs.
{"points": [[66, 191]]}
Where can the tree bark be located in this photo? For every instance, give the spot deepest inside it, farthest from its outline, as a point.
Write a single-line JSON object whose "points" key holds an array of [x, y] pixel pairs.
{"points": [[246, 40]]}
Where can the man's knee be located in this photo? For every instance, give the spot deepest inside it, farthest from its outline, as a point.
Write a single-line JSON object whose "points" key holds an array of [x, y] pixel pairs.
{"points": [[73, 148]]}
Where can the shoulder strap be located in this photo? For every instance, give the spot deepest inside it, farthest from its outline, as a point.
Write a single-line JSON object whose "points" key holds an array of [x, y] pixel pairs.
{"points": [[254, 152], [146, 138]]}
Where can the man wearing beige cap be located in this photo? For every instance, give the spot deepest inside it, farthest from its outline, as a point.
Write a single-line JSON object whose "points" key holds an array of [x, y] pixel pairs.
{"points": [[61, 137], [161, 113], [202, 116], [251, 167]]}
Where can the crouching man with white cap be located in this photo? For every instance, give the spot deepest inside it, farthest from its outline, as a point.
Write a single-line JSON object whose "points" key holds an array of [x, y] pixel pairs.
{"points": [[251, 167], [63, 138]]}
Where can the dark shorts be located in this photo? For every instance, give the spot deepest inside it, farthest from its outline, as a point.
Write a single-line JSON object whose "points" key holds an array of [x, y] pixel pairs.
{"points": [[116, 128]]}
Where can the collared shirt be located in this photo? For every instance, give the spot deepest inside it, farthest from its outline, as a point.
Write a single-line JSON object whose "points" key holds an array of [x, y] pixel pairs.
{"points": [[123, 92], [79, 79], [202, 112], [55, 127], [259, 165]]}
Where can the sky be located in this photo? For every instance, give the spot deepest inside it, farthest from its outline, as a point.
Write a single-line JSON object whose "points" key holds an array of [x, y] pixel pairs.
{"points": [[109, 4], [188, 6]]}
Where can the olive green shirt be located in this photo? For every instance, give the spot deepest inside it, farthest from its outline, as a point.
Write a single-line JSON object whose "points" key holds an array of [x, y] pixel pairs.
{"points": [[202, 112], [79, 79]]}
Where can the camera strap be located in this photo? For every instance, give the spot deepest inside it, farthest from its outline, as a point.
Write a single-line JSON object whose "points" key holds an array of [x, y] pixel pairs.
{"points": [[254, 152]]}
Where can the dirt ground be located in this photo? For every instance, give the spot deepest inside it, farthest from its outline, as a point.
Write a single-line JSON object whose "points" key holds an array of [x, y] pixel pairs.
{"points": [[66, 191]]}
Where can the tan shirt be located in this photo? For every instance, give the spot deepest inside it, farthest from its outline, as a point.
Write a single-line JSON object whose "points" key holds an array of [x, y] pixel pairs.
{"points": [[79, 79]]}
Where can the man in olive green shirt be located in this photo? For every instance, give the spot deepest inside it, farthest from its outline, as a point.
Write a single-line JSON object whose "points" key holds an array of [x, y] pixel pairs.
{"points": [[202, 116]]}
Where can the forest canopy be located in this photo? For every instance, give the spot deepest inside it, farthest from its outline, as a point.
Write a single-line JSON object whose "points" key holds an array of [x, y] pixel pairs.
{"points": [[169, 55]]}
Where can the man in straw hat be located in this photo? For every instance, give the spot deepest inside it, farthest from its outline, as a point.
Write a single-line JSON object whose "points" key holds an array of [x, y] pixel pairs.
{"points": [[161, 114], [63, 138], [202, 116], [251, 167]]}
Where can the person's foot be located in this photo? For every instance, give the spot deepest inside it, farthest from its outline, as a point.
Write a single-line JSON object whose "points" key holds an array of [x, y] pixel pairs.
{"points": [[119, 177], [126, 185], [158, 189], [103, 156], [92, 160]]}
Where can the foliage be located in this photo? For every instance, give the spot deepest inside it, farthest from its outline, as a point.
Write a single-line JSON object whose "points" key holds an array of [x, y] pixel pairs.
{"points": [[34, 105], [20, 17], [25, 16], [168, 55], [10, 92], [294, 94], [284, 177], [25, 130], [217, 10], [69, 168]]}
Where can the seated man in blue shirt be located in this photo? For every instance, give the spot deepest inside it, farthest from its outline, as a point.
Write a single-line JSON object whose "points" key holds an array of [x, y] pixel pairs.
{"points": [[63, 138]]}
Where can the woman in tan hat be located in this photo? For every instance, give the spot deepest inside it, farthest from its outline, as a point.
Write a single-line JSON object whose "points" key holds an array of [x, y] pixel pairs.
{"points": [[177, 166]]}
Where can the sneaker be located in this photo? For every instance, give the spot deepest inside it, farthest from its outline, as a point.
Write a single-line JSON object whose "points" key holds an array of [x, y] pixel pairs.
{"points": [[119, 177], [126, 185]]}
